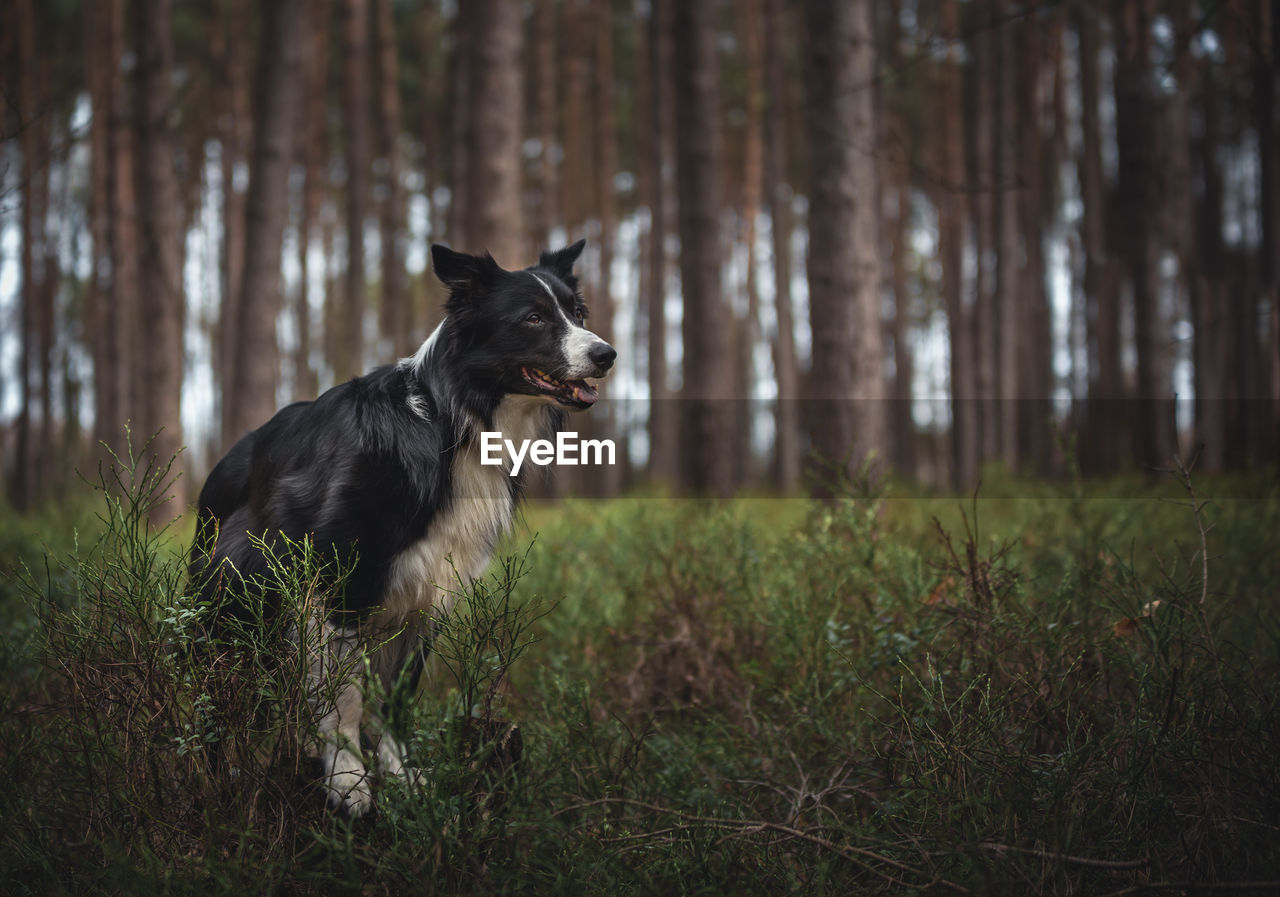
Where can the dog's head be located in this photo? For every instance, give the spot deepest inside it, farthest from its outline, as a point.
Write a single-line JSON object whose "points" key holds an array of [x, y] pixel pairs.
{"points": [[524, 332]]}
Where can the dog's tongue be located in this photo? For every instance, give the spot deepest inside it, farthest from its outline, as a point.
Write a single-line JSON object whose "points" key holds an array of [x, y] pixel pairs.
{"points": [[584, 392]]}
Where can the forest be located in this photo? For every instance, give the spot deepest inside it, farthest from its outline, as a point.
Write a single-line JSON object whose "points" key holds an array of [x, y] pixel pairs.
{"points": [[939, 556], [961, 232]]}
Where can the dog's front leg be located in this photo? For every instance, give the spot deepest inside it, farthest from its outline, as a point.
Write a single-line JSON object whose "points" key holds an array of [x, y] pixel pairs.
{"points": [[335, 689], [345, 777]]}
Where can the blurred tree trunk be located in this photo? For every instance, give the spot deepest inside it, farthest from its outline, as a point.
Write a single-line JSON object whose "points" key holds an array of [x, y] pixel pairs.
{"points": [[276, 95], [1209, 299], [545, 104], [951, 244], [601, 422], [99, 316], [985, 334], [750, 31], [47, 276], [456, 126], [707, 413], [349, 361], [662, 419], [314, 152], [779, 194], [1138, 134], [24, 490], [160, 277], [123, 235], [234, 134], [1264, 435], [493, 216], [393, 231], [1008, 304], [844, 271], [577, 165], [1035, 47], [1101, 450]]}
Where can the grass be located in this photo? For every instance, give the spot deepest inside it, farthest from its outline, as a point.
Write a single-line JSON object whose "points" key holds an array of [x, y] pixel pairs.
{"points": [[1039, 692]]}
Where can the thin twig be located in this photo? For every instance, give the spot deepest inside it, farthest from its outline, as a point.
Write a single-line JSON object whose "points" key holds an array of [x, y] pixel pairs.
{"points": [[1067, 858], [847, 851], [1195, 886]]}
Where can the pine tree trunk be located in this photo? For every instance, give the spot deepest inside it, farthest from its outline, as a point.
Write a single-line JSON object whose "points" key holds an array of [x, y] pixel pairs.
{"points": [[750, 29], [1008, 304], [786, 416], [235, 134], [662, 418], [1138, 132], [314, 146], [707, 413], [24, 479], [951, 243], [494, 211], [160, 277], [1100, 451], [600, 425], [844, 276], [985, 332], [276, 95], [578, 164], [544, 63], [1208, 305], [350, 359], [392, 226]]}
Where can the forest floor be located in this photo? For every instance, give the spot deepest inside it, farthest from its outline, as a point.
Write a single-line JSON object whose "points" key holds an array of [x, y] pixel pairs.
{"points": [[1048, 689]]}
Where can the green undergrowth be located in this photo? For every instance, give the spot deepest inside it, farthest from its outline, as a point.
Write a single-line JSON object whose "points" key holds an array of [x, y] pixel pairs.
{"points": [[1031, 691]]}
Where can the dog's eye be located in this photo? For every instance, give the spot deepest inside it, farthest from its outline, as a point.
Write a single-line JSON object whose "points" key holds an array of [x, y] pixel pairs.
{"points": [[533, 318], [580, 313]]}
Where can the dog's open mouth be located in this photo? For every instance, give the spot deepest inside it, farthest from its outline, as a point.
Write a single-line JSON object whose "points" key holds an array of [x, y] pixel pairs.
{"points": [[578, 393]]}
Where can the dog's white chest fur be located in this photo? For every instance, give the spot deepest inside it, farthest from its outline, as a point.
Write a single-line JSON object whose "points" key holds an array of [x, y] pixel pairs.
{"points": [[460, 539]]}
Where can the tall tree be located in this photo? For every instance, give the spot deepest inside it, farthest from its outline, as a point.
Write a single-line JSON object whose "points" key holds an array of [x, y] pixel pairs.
{"points": [[606, 167], [393, 233], [24, 479], [750, 28], [234, 126], [707, 394], [965, 437], [786, 416], [1138, 134], [1265, 434], [493, 214], [314, 148], [575, 202], [545, 84], [662, 419], [982, 168], [123, 235], [1102, 300], [160, 277], [1008, 298], [350, 360], [277, 90], [844, 266]]}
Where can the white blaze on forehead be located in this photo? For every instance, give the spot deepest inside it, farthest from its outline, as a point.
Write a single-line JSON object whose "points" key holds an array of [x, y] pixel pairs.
{"points": [[578, 341], [545, 287]]}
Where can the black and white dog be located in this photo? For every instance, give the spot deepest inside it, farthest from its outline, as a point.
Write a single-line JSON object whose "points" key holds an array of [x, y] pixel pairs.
{"points": [[384, 472]]}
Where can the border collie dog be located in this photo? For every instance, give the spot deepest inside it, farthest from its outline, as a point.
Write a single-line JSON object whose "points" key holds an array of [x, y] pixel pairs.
{"points": [[383, 473]]}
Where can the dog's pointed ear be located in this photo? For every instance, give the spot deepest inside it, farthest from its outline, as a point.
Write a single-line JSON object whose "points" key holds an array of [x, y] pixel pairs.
{"points": [[560, 262], [461, 271]]}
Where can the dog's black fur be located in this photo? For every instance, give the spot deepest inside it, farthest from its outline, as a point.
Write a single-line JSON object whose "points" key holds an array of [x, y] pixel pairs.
{"points": [[381, 473]]}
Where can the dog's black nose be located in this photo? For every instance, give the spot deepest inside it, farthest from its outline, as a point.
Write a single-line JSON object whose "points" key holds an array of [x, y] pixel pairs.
{"points": [[602, 355]]}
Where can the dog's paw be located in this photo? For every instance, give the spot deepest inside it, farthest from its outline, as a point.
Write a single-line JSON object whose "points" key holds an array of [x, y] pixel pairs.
{"points": [[348, 787]]}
